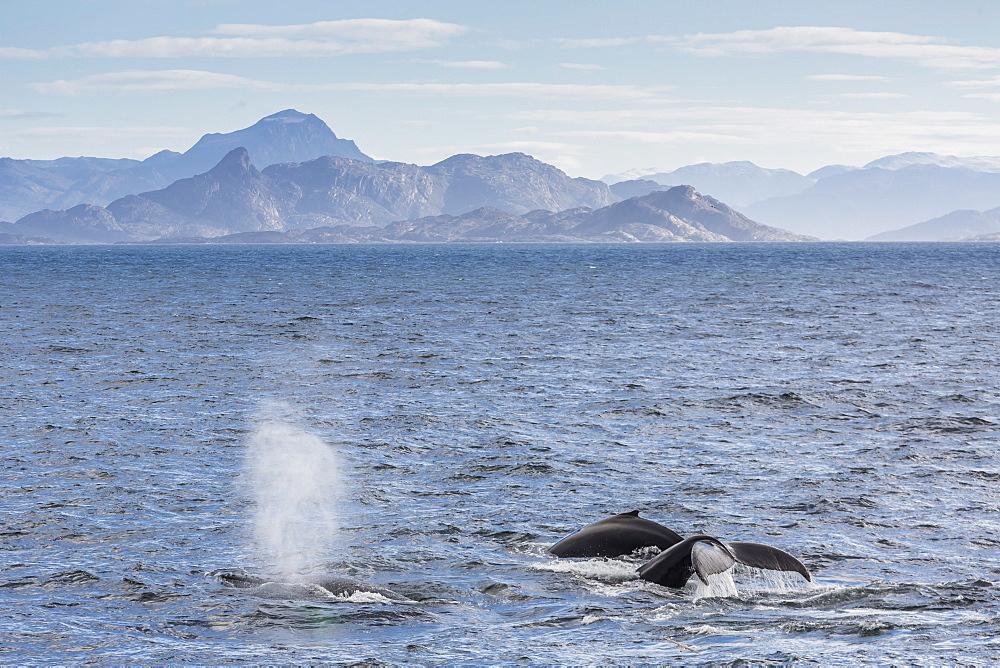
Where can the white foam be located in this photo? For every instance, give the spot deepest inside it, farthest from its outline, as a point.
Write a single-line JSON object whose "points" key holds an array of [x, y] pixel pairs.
{"points": [[607, 570], [364, 597]]}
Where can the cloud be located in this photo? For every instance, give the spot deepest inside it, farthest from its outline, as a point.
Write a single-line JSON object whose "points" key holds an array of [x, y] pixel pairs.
{"points": [[596, 42], [189, 80], [19, 115], [845, 77], [384, 34], [978, 83], [768, 129], [467, 64], [883, 95], [16, 53], [669, 137], [512, 89], [324, 38], [926, 50], [582, 66], [145, 80]]}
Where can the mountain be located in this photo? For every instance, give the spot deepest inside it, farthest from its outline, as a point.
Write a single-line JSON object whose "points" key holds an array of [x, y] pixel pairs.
{"points": [[231, 197], [338, 190], [679, 214], [287, 136], [864, 202], [30, 185], [955, 226], [83, 223], [739, 183], [514, 182]]}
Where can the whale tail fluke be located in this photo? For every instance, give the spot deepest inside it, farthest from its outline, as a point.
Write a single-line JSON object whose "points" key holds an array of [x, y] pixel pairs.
{"points": [[710, 558], [769, 558], [706, 556]]}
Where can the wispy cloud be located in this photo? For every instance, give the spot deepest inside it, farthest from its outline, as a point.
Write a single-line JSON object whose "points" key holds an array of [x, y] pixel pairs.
{"points": [[667, 137], [17, 53], [596, 42], [190, 80], [845, 77], [926, 50], [145, 80], [512, 89], [467, 64], [767, 128], [875, 95], [583, 66], [977, 83], [19, 115], [324, 38], [386, 34]]}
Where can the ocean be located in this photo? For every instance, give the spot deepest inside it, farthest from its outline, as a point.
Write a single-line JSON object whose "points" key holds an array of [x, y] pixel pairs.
{"points": [[429, 419]]}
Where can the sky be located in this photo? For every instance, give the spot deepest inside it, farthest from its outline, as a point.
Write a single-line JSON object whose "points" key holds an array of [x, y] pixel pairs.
{"points": [[594, 88]]}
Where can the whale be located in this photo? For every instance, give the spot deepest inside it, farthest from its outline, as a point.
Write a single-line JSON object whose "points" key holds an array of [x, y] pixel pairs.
{"points": [[706, 555], [312, 587], [615, 536], [679, 557]]}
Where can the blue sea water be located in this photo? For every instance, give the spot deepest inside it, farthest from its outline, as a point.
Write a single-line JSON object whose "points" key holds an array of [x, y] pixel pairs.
{"points": [[162, 407]]}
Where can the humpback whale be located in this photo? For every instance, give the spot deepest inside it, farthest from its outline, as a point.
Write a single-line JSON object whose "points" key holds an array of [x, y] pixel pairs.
{"points": [[679, 559], [316, 587], [706, 555], [615, 537]]}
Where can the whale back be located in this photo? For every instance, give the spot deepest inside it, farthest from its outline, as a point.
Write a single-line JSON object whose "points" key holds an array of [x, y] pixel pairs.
{"points": [[616, 536], [312, 587]]}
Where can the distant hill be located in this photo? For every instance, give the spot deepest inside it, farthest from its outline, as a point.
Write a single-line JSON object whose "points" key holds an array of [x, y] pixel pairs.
{"points": [[740, 183], [902, 160], [636, 188], [955, 226], [861, 203]]}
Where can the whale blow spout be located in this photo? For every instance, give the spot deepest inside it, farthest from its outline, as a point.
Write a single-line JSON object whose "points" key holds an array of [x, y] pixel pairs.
{"points": [[296, 490]]}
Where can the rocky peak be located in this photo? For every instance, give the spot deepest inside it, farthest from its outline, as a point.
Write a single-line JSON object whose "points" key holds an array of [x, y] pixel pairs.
{"points": [[236, 161]]}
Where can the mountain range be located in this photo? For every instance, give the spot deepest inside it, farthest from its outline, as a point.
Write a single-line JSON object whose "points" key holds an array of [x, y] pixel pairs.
{"points": [[289, 175], [466, 197], [840, 202]]}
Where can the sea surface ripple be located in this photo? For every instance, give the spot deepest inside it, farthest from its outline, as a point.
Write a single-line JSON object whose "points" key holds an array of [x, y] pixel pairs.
{"points": [[839, 401]]}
